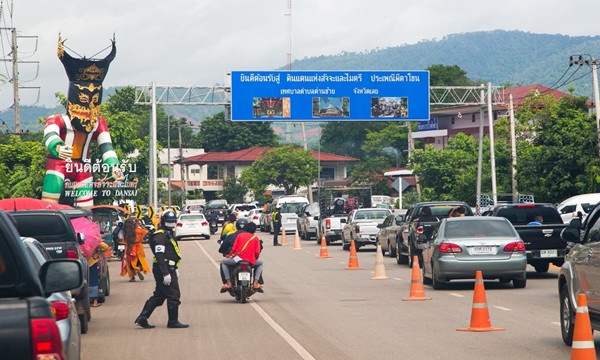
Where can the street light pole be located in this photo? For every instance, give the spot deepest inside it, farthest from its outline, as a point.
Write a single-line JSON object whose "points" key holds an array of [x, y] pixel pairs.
{"points": [[169, 157]]}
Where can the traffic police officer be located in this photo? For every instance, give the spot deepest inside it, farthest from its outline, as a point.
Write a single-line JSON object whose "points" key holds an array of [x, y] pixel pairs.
{"points": [[276, 216], [165, 264]]}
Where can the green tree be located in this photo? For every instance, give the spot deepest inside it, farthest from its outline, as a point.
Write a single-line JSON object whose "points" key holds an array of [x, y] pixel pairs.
{"points": [[22, 168], [448, 75], [285, 167], [216, 134], [347, 138], [557, 154], [370, 173], [233, 190]]}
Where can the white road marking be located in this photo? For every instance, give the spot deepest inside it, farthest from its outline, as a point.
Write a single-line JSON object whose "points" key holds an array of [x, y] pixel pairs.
{"points": [[555, 323], [397, 279], [300, 350], [456, 294], [502, 308]]}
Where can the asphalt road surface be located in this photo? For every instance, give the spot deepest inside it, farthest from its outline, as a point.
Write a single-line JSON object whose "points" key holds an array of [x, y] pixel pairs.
{"points": [[314, 308]]}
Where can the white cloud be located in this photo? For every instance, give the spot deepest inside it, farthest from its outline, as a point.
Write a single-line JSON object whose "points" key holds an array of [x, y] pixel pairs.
{"points": [[195, 42]]}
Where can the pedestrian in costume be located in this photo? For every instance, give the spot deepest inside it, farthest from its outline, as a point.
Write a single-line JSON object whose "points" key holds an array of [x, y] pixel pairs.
{"points": [[164, 268], [276, 216], [134, 263], [92, 259], [68, 137]]}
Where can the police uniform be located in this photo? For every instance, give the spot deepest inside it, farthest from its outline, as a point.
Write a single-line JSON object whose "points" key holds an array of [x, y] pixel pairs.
{"points": [[276, 216], [166, 261]]}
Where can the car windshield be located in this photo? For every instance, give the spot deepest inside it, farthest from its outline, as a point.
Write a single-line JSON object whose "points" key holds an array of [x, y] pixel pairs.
{"points": [[291, 207], [195, 217], [479, 228], [244, 207], [42, 228], [216, 206], [371, 214]]}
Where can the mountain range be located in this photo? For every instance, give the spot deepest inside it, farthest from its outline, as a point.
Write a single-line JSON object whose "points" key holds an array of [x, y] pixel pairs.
{"points": [[500, 57]]}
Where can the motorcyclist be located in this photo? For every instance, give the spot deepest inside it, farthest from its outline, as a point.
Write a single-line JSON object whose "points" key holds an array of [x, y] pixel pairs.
{"points": [[212, 221], [115, 237], [166, 275], [246, 247]]}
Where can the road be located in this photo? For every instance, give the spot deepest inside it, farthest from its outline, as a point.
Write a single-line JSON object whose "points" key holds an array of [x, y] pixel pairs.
{"points": [[313, 308]]}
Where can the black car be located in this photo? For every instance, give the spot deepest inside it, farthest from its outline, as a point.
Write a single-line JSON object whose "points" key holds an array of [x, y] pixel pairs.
{"points": [[54, 230], [219, 208]]}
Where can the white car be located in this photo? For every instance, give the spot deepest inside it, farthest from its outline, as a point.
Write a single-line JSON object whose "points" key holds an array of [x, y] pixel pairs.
{"points": [[254, 216], [241, 210], [192, 225]]}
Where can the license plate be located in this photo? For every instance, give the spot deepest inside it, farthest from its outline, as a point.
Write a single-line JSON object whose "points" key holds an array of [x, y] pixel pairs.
{"points": [[482, 250], [244, 276], [121, 247], [548, 253]]}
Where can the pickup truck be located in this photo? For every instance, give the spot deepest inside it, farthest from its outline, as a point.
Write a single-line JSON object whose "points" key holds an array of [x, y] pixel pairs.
{"points": [[418, 225], [28, 329], [54, 230], [361, 226], [543, 244]]}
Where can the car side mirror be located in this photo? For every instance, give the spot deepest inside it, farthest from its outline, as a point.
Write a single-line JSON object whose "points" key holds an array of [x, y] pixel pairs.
{"points": [[399, 221], [575, 223], [570, 234], [316, 218], [80, 238]]}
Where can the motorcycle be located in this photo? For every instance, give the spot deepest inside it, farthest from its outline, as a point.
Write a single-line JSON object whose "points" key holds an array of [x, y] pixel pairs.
{"points": [[213, 227], [242, 281]]}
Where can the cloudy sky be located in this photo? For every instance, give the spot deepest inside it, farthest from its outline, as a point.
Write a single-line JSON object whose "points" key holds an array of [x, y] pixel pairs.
{"points": [[195, 42]]}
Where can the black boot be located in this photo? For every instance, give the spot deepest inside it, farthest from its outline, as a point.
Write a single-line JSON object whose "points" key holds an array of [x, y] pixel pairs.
{"points": [[142, 320], [173, 311]]}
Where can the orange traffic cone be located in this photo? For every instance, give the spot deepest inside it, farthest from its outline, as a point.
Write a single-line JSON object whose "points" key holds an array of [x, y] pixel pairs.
{"points": [[283, 239], [416, 283], [323, 254], [379, 266], [480, 317], [353, 262], [583, 341], [297, 245]]}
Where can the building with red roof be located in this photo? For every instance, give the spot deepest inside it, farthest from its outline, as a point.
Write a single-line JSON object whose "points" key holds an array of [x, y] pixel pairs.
{"points": [[445, 123], [208, 171]]}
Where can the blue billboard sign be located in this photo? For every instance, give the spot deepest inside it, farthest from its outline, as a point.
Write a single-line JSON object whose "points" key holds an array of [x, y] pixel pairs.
{"points": [[329, 95], [432, 124]]}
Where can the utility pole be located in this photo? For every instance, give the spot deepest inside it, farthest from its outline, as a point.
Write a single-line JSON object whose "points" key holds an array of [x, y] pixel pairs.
{"points": [[169, 158], [492, 152], [15, 82], [183, 188], [513, 148], [593, 63]]}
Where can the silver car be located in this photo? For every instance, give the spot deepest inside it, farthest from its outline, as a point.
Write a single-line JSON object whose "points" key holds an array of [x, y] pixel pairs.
{"points": [[461, 246], [62, 304]]}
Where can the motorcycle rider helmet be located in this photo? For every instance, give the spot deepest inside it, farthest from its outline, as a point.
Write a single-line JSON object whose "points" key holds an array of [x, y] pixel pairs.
{"points": [[169, 219], [241, 224]]}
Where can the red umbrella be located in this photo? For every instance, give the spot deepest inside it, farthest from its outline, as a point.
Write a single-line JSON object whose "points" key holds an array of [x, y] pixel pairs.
{"points": [[26, 203]]}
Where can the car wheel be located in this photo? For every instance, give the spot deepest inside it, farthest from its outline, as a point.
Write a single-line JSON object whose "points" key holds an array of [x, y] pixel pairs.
{"points": [[435, 281], [206, 237], [400, 258], [344, 245], [83, 323], [520, 283], [426, 280], [542, 267], [567, 316], [107, 289], [391, 250]]}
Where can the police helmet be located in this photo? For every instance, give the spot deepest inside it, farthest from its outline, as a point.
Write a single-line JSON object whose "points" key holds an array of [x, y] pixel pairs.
{"points": [[241, 224], [169, 219]]}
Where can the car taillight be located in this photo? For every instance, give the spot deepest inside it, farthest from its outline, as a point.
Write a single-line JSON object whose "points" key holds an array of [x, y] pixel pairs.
{"points": [[179, 224], [204, 224], [255, 217], [526, 206], [244, 267], [45, 340], [307, 220], [420, 230], [60, 309], [515, 247], [72, 254], [357, 229], [328, 224], [449, 248]]}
